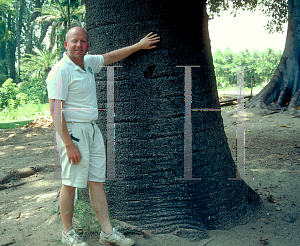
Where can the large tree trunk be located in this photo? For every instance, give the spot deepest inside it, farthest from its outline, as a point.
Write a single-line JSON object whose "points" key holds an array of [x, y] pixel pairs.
{"points": [[284, 87], [150, 119]]}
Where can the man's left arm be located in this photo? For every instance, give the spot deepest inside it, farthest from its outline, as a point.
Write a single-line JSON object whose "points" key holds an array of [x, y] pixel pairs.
{"points": [[145, 43]]}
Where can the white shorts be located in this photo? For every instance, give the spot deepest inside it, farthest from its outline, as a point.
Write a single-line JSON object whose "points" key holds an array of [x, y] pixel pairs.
{"points": [[92, 165]]}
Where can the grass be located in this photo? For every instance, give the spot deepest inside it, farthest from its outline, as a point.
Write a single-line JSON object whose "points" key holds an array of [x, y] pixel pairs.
{"points": [[18, 117], [86, 220], [14, 124]]}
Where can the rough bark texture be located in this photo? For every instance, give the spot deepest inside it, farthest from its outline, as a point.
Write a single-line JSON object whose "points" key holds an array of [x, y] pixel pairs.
{"points": [[284, 87], [149, 119]]}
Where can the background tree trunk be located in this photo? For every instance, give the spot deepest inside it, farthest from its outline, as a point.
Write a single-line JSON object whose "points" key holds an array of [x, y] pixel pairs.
{"points": [[3, 62], [44, 29], [30, 27], [149, 119], [20, 9], [284, 87], [11, 48], [52, 37]]}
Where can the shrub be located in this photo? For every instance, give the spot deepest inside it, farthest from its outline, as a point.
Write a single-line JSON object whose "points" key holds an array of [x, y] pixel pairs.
{"points": [[8, 93]]}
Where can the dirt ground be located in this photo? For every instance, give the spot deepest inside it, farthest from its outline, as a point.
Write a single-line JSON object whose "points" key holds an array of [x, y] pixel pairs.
{"points": [[272, 147]]}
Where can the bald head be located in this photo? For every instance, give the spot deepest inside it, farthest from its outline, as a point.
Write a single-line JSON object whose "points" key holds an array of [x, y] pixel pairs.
{"points": [[77, 45], [74, 30]]}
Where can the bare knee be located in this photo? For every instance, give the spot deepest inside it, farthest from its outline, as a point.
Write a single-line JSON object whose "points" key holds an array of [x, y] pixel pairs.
{"points": [[68, 189], [98, 185]]}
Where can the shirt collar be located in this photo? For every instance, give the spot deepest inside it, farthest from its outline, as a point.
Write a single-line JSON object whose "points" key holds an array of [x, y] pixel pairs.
{"points": [[70, 62]]}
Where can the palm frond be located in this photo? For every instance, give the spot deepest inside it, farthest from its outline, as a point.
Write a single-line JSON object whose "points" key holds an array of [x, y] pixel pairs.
{"points": [[51, 12], [77, 11], [39, 64]]}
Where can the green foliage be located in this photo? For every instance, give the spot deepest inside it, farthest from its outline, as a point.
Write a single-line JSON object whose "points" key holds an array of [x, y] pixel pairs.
{"points": [[58, 11], [22, 98], [263, 63], [63, 16], [277, 10], [6, 35], [35, 89], [25, 24], [8, 93], [216, 6], [38, 18], [35, 69], [17, 105], [31, 110], [39, 64], [6, 8]]}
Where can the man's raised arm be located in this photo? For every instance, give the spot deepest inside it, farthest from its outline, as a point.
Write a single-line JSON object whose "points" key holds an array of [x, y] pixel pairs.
{"points": [[145, 43]]}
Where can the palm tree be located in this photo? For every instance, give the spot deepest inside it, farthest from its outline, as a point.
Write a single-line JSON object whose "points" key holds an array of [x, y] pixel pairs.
{"points": [[150, 120], [38, 65], [61, 16]]}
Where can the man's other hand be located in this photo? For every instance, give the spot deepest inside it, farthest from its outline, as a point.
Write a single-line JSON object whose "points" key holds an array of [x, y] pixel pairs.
{"points": [[73, 154], [147, 42]]}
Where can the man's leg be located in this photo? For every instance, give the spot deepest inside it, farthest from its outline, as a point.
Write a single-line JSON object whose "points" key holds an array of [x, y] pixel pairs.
{"points": [[99, 203], [66, 203]]}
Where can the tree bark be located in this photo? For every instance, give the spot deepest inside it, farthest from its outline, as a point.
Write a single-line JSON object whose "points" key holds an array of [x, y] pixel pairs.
{"points": [[284, 87], [150, 115]]}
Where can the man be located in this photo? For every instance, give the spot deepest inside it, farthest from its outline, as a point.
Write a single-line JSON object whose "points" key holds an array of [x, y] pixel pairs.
{"points": [[73, 106]]}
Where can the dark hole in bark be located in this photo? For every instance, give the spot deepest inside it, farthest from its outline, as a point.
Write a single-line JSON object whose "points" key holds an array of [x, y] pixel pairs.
{"points": [[149, 72]]}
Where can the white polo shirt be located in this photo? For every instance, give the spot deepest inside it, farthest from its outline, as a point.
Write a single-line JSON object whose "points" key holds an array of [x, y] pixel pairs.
{"points": [[68, 82]]}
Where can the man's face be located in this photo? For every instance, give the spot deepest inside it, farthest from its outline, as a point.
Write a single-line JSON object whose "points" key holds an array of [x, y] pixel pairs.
{"points": [[77, 44]]}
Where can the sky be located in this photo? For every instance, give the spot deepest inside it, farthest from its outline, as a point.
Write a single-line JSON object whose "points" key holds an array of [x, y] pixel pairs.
{"points": [[246, 31]]}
